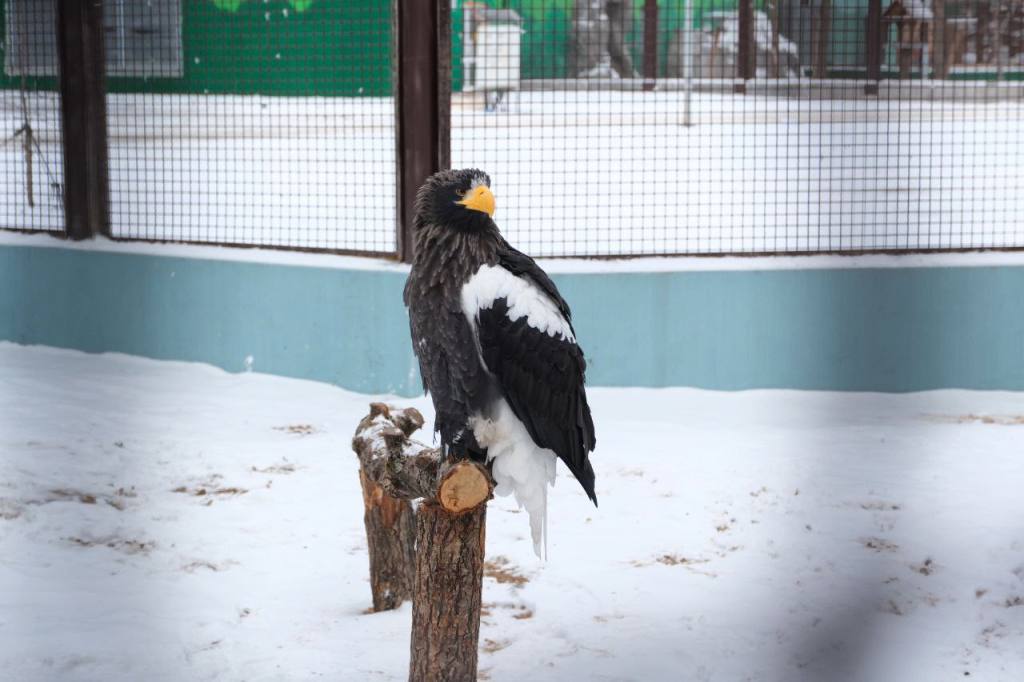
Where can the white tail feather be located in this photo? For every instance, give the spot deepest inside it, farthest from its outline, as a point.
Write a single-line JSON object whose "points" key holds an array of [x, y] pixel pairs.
{"points": [[520, 467]]}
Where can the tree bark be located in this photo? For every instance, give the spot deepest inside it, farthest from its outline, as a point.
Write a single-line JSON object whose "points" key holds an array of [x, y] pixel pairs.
{"points": [[408, 470], [395, 470], [446, 602], [390, 520], [390, 538]]}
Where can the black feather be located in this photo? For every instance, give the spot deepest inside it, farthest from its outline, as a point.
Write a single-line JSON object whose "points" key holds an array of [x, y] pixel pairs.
{"points": [[541, 377], [544, 387]]}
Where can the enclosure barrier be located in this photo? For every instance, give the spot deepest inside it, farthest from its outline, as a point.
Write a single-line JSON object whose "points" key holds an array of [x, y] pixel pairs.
{"points": [[442, 566], [609, 127]]}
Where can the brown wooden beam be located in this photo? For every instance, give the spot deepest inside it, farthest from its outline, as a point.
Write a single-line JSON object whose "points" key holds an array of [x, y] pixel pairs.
{"points": [[984, 19], [747, 50], [422, 102], [873, 46], [650, 43], [774, 16], [82, 76], [822, 36], [939, 66]]}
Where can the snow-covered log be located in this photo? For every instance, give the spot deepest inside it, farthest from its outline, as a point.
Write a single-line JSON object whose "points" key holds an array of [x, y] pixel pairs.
{"points": [[407, 470], [445, 575], [389, 519]]}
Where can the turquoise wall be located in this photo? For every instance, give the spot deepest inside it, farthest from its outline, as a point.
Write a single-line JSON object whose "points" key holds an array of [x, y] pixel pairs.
{"points": [[890, 329], [345, 327]]}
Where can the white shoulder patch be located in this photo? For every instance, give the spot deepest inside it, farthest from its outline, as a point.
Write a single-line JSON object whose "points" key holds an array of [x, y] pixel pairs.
{"points": [[525, 299]]}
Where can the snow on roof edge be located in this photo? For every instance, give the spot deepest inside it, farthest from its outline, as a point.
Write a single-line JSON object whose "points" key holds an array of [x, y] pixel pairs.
{"points": [[207, 252], [713, 263], [562, 266]]}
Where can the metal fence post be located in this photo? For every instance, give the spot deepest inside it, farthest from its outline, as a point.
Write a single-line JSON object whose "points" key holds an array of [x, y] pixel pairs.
{"points": [[688, 61], [873, 46], [650, 44], [822, 31], [81, 60], [422, 103], [746, 50], [939, 66]]}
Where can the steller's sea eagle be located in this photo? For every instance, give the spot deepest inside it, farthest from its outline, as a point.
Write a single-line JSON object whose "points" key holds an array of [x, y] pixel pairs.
{"points": [[496, 347]]}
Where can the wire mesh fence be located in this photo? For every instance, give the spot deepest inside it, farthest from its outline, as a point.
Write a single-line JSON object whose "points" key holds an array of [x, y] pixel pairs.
{"points": [[257, 123], [610, 129], [31, 159]]}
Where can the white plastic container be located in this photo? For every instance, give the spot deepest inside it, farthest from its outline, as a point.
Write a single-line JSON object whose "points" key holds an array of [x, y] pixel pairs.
{"points": [[497, 47]]}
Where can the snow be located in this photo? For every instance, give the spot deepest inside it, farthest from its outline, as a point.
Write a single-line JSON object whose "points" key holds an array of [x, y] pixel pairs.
{"points": [[170, 521], [615, 173], [211, 252], [574, 172], [702, 263], [710, 263], [47, 162]]}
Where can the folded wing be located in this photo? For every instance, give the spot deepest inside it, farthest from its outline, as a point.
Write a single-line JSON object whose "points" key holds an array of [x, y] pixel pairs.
{"points": [[527, 342]]}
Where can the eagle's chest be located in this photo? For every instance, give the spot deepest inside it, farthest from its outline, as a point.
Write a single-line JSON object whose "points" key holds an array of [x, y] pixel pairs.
{"points": [[445, 343]]}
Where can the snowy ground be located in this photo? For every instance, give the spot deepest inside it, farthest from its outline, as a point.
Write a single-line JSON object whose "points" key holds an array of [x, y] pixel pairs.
{"points": [[169, 521], [575, 173]]}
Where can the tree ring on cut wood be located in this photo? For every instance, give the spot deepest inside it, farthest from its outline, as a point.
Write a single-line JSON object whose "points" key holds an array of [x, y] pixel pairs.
{"points": [[464, 486]]}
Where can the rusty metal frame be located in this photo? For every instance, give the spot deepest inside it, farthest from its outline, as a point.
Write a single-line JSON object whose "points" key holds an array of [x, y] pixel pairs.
{"points": [[82, 73], [873, 46], [422, 104], [650, 44], [747, 54]]}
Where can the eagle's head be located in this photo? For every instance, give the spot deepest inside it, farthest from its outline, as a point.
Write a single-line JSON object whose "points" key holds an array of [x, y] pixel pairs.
{"points": [[456, 199]]}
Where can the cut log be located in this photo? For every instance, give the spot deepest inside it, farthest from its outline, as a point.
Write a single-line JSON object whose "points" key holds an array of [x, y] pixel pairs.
{"points": [[389, 519], [390, 538], [409, 470], [464, 486], [445, 566], [446, 601]]}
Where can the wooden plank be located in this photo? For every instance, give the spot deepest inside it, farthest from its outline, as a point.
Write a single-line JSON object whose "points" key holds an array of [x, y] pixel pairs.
{"points": [[72, 100], [873, 46], [774, 16], [745, 59], [422, 102], [821, 39], [81, 74], [938, 28], [650, 44], [95, 113]]}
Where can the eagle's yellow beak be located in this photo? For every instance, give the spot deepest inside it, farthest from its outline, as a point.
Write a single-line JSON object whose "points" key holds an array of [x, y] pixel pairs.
{"points": [[479, 199]]}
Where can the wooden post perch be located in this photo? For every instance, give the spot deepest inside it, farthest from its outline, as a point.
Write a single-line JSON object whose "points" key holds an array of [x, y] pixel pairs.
{"points": [[444, 573]]}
